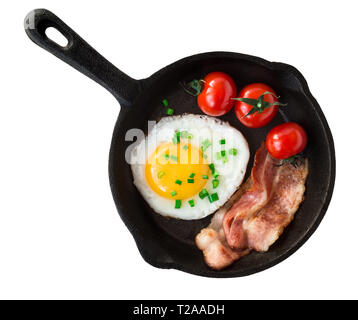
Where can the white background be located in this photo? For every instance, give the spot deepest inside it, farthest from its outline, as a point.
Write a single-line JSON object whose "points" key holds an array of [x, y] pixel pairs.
{"points": [[60, 234]]}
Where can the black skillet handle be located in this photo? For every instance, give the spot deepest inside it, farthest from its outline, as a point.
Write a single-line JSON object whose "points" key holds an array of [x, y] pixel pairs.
{"points": [[80, 55]]}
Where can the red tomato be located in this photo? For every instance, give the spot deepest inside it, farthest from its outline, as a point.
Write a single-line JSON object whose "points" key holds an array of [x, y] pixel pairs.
{"points": [[286, 140], [256, 120], [216, 96]]}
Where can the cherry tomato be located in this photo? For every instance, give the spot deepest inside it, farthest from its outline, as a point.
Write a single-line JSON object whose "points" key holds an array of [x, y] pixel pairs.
{"points": [[286, 140], [216, 96], [256, 120]]}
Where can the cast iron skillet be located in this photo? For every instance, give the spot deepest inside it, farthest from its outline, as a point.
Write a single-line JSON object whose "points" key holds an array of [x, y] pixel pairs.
{"points": [[169, 243]]}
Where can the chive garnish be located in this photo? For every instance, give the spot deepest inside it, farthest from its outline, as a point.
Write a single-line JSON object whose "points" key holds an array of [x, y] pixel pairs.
{"points": [[166, 156], [213, 197], [186, 135], [161, 174], [186, 147], [183, 134], [205, 176], [223, 153], [191, 203], [215, 183], [203, 193], [212, 168], [192, 175], [170, 111], [222, 141], [174, 158], [233, 151], [205, 144], [176, 138], [165, 102], [179, 182], [177, 204], [173, 193], [217, 155], [190, 180]]}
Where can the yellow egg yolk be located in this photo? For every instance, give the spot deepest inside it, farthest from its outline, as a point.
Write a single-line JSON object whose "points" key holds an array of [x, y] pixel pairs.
{"points": [[177, 171]]}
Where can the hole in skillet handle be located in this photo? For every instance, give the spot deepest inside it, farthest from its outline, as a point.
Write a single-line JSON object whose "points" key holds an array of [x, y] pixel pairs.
{"points": [[56, 36], [52, 32]]}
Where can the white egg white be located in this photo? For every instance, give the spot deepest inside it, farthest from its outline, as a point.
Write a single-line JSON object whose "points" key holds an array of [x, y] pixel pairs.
{"points": [[201, 127]]}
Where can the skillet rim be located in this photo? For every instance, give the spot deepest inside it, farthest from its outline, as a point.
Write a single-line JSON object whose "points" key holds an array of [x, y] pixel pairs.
{"points": [[139, 239]]}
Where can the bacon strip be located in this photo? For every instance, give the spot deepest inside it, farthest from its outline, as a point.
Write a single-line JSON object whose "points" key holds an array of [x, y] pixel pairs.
{"points": [[268, 224], [263, 176], [211, 240], [261, 228]]}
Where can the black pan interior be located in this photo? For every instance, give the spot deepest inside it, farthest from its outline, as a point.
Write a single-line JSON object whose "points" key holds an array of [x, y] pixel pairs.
{"points": [[169, 243]]}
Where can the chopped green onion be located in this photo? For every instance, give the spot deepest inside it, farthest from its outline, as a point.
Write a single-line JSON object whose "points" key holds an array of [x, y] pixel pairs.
{"points": [[205, 144], [186, 147], [213, 171], [213, 197], [174, 158], [205, 176], [212, 167], [176, 138], [225, 159], [177, 204], [165, 102], [205, 156], [203, 193], [217, 155], [186, 135], [192, 175], [222, 141], [215, 183], [161, 174], [190, 180], [233, 151], [173, 193], [223, 153], [179, 182], [166, 156], [170, 111], [191, 203]]}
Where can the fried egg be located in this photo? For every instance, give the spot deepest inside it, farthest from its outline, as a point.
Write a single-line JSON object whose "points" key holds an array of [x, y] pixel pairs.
{"points": [[188, 166]]}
